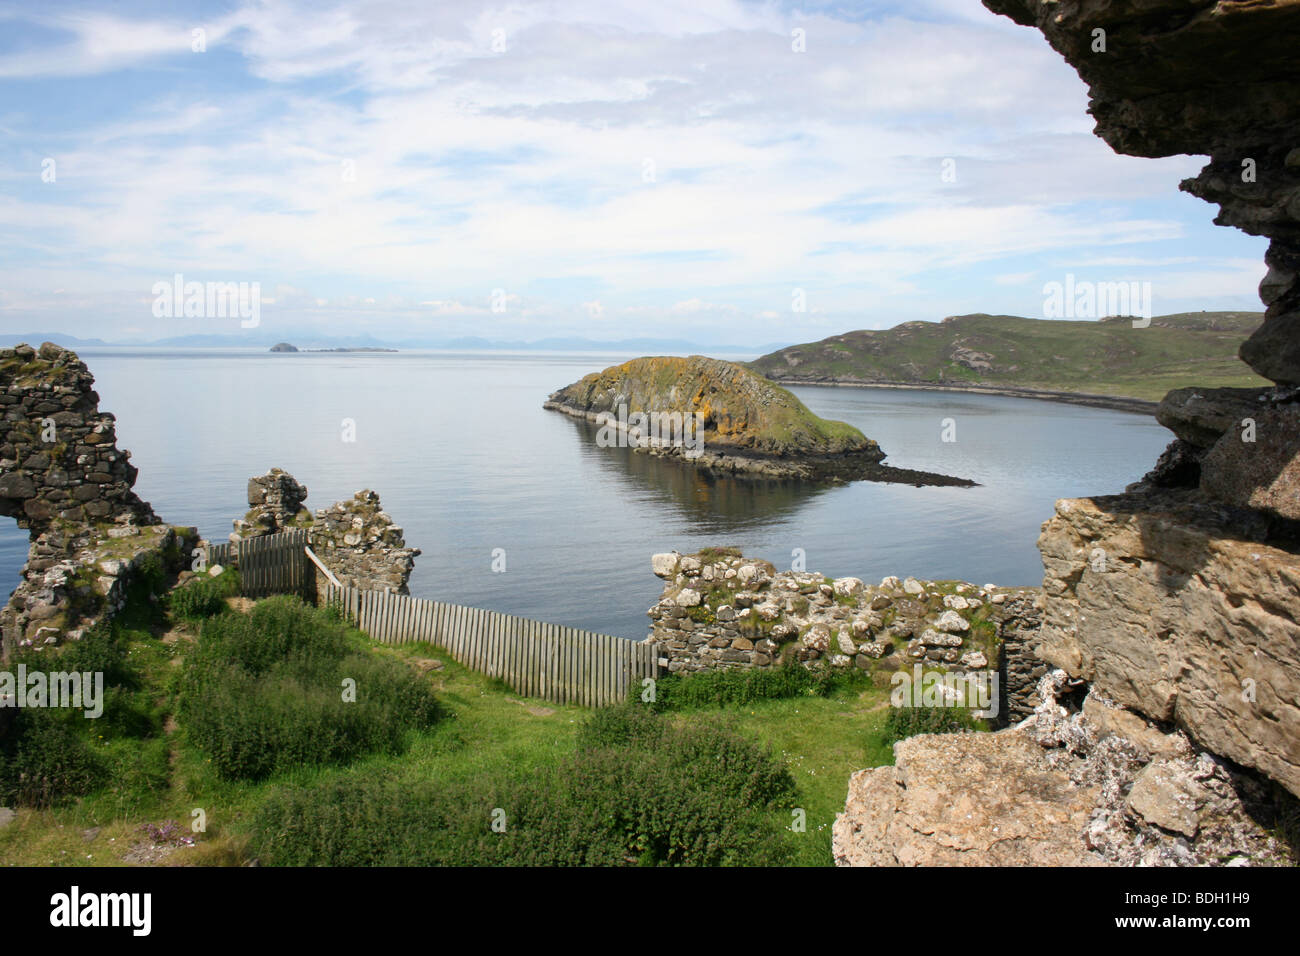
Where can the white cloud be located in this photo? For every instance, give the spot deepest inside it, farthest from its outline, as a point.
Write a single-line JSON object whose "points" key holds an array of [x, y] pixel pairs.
{"points": [[469, 170]]}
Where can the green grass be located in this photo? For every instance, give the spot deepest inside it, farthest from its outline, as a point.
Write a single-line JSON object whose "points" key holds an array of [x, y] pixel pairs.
{"points": [[1107, 357], [486, 734]]}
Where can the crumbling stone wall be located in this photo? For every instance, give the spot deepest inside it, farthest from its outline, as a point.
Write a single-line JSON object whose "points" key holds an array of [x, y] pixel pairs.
{"points": [[275, 504], [361, 545], [1021, 670], [720, 610], [63, 478], [59, 459], [356, 539]]}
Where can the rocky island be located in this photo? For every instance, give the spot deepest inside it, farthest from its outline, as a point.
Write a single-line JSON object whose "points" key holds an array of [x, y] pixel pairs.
{"points": [[725, 419], [289, 347]]}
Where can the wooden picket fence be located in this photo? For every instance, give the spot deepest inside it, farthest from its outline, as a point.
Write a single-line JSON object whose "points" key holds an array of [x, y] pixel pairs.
{"points": [[560, 664], [271, 564]]}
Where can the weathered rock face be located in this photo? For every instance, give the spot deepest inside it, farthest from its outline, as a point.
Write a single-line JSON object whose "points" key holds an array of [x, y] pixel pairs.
{"points": [[1174, 605], [1177, 598], [963, 800], [1238, 446], [1165, 604], [1203, 77], [724, 418], [1093, 786], [63, 478]]}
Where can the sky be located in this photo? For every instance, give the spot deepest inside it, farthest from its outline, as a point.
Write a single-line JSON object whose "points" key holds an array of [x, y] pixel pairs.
{"points": [[712, 170]]}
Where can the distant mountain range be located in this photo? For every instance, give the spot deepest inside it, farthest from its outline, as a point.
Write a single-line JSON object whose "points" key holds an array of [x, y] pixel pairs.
{"points": [[640, 346], [1009, 353]]}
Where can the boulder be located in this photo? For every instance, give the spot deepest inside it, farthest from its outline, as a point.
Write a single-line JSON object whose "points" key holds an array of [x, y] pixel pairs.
{"points": [[1166, 796], [665, 565], [1201, 416], [964, 800], [952, 622], [688, 597]]}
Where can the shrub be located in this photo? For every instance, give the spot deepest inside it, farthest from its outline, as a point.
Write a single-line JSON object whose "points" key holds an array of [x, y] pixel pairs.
{"points": [[638, 790], [903, 722], [264, 693], [49, 754], [46, 757], [102, 649], [202, 597], [737, 686]]}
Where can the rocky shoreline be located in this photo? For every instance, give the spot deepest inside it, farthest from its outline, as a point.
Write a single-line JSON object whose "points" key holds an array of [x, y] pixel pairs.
{"points": [[726, 420], [1117, 403], [846, 466]]}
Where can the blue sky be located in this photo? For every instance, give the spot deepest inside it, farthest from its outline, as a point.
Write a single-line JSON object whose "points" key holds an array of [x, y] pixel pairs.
{"points": [[610, 170]]}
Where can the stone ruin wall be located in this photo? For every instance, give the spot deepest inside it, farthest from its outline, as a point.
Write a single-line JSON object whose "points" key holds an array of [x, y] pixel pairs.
{"points": [[721, 610], [356, 539], [63, 479]]}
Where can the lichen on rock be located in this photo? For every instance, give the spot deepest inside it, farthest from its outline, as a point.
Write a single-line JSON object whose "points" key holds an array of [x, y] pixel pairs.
{"points": [[724, 418]]}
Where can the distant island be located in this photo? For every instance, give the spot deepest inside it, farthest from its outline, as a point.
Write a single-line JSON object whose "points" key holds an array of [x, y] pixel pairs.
{"points": [[1107, 362], [286, 347], [723, 418]]}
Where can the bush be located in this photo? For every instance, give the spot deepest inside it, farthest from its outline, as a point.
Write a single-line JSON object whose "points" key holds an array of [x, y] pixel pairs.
{"points": [[638, 791], [903, 722], [737, 686], [202, 597], [265, 693], [45, 757]]}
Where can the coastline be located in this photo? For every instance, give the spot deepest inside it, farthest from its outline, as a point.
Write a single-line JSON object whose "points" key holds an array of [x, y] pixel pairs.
{"points": [[830, 469], [1136, 406]]}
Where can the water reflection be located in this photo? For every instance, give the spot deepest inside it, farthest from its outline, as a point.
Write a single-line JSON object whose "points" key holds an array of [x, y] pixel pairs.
{"points": [[712, 503]]}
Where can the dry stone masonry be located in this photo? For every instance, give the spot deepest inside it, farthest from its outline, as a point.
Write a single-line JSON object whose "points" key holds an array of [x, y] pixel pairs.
{"points": [[720, 610], [362, 546], [275, 504], [63, 478], [356, 539]]}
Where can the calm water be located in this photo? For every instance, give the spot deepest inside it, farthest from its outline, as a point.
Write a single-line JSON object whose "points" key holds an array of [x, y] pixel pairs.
{"points": [[466, 460]]}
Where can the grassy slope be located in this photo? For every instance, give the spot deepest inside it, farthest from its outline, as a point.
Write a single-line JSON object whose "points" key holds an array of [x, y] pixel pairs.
{"points": [[1108, 357], [489, 728]]}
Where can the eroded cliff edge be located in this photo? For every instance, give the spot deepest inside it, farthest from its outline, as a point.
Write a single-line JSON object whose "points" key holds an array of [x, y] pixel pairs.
{"points": [[1171, 610]]}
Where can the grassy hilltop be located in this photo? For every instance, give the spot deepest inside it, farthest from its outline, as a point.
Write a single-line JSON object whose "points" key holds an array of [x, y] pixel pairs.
{"points": [[1106, 357], [741, 411]]}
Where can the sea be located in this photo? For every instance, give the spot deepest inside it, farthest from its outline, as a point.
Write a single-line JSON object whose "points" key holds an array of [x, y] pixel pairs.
{"points": [[519, 510]]}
